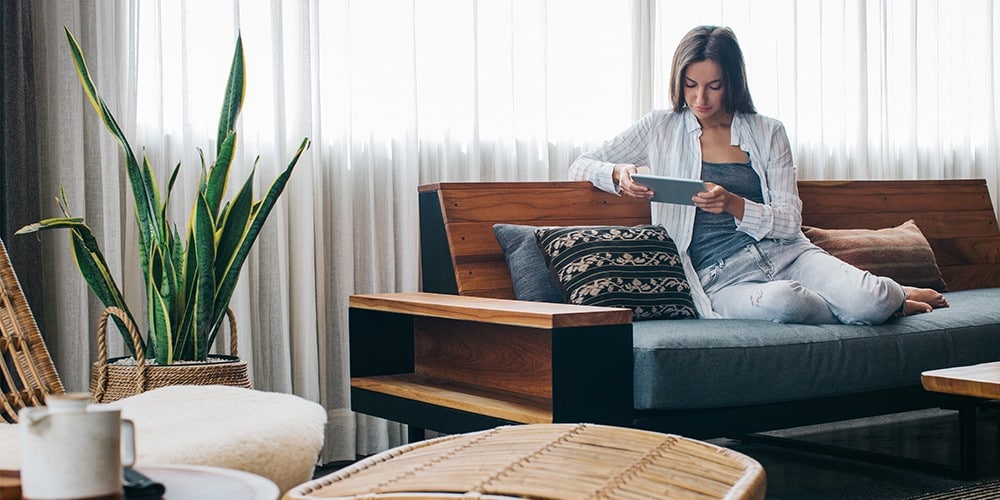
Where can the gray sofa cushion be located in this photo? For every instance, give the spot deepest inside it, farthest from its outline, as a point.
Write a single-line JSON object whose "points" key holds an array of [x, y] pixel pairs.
{"points": [[705, 363]]}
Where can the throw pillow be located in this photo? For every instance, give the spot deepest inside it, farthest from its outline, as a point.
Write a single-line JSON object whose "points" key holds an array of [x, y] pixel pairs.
{"points": [[901, 253], [528, 271], [615, 266]]}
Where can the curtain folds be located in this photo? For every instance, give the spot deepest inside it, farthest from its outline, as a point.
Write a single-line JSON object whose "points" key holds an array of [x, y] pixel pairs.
{"points": [[77, 155], [399, 93], [18, 147]]}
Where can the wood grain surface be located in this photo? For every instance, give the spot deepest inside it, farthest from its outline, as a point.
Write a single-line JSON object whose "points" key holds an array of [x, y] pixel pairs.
{"points": [[497, 311], [465, 397], [978, 381], [956, 217], [506, 358]]}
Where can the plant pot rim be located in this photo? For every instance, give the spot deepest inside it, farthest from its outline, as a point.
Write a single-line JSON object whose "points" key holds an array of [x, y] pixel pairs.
{"points": [[213, 359], [111, 382]]}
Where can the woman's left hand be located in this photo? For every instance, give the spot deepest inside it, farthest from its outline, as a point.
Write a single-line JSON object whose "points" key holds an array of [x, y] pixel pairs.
{"points": [[717, 200]]}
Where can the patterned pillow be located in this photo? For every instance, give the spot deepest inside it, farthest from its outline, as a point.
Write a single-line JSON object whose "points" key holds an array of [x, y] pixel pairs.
{"points": [[901, 253], [528, 272], [614, 266]]}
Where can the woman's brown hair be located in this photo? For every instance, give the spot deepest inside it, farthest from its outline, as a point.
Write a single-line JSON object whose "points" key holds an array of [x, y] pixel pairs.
{"points": [[719, 44]]}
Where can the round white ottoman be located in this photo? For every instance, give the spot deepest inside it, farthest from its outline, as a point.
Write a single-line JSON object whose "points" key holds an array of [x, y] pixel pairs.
{"points": [[274, 435]]}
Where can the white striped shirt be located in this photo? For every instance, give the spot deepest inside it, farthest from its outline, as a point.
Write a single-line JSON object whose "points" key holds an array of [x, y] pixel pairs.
{"points": [[669, 144]]}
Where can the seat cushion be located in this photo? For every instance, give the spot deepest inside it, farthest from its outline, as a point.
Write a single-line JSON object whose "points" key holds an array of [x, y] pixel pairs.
{"points": [[274, 435], [270, 434], [710, 363]]}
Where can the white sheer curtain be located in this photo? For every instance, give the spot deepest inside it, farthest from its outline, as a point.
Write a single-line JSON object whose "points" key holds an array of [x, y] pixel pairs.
{"points": [[868, 89], [398, 93], [76, 154]]}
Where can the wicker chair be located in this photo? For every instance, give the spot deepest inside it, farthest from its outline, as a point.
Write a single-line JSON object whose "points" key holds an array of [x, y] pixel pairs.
{"points": [[274, 435], [28, 372]]}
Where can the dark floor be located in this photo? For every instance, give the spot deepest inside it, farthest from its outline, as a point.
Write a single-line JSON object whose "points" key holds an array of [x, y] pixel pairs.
{"points": [[930, 435], [925, 436]]}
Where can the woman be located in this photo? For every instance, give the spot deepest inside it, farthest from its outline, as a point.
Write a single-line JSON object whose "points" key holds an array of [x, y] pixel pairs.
{"points": [[741, 243]]}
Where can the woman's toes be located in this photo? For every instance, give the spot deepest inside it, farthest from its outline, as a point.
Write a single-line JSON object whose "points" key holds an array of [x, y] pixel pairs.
{"points": [[928, 296], [916, 307]]}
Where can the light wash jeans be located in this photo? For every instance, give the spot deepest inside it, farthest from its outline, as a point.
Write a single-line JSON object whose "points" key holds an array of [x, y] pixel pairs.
{"points": [[794, 281]]}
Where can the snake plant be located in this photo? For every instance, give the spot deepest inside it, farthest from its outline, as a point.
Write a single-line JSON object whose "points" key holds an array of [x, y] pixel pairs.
{"points": [[189, 278]]}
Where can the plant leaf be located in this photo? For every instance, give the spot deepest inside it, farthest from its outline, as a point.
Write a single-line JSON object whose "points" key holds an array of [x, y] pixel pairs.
{"points": [[185, 348], [54, 223], [160, 325], [95, 272], [233, 100], [258, 216], [170, 190], [204, 241], [233, 226], [94, 269], [177, 263], [188, 287], [143, 185], [218, 175]]}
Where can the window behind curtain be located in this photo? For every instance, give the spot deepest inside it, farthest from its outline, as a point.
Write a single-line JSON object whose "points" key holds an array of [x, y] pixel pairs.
{"points": [[484, 78], [885, 88]]}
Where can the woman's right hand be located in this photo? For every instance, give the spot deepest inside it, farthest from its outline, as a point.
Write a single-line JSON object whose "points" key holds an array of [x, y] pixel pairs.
{"points": [[622, 175]]}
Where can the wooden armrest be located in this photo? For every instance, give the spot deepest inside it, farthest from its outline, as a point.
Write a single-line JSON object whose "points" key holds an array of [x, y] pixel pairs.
{"points": [[494, 311]]}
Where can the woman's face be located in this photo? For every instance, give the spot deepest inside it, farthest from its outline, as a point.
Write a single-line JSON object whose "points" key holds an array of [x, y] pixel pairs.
{"points": [[704, 92]]}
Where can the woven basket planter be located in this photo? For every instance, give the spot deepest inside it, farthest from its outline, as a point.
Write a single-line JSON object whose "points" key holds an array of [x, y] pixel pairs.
{"points": [[111, 382]]}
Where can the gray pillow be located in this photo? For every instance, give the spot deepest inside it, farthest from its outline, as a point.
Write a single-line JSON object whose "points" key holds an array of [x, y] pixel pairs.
{"points": [[528, 272]]}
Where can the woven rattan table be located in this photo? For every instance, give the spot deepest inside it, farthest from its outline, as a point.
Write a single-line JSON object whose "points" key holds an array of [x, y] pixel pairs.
{"points": [[547, 461]]}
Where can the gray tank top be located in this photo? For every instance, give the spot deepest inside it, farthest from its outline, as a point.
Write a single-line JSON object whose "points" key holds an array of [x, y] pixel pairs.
{"points": [[715, 236]]}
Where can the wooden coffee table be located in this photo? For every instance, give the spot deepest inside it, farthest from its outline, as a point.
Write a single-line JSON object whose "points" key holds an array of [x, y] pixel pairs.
{"points": [[972, 385]]}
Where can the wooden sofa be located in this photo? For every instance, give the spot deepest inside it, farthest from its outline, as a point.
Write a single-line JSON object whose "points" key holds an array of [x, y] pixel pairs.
{"points": [[464, 355]]}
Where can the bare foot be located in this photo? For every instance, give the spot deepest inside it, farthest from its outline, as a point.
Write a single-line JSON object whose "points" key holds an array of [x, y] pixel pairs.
{"points": [[914, 307], [928, 296]]}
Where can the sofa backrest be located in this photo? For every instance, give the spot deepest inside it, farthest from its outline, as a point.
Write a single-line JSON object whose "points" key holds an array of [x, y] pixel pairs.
{"points": [[956, 217], [460, 254]]}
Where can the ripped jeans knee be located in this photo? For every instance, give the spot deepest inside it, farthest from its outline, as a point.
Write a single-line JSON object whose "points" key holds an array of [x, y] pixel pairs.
{"points": [[778, 301]]}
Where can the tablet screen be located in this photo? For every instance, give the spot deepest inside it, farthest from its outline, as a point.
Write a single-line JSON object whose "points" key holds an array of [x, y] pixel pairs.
{"points": [[671, 189]]}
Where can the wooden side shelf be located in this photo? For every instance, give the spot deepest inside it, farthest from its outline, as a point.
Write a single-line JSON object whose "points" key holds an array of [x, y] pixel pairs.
{"points": [[452, 363], [465, 397]]}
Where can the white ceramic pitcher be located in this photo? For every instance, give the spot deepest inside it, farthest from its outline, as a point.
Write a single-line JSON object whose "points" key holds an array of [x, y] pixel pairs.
{"points": [[72, 449]]}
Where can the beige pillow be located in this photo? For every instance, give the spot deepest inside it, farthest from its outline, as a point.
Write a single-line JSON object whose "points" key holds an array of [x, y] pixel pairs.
{"points": [[901, 253]]}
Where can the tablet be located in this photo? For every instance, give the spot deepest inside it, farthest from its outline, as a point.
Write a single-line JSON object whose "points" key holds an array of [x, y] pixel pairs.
{"points": [[671, 189]]}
